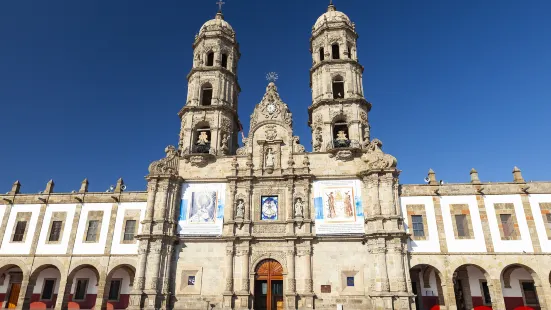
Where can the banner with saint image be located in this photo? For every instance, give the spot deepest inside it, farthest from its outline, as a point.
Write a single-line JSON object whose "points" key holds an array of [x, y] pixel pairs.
{"points": [[202, 209], [338, 207]]}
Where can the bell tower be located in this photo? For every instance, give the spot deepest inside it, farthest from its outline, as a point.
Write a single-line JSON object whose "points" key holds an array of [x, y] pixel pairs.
{"points": [[209, 121], [338, 115]]}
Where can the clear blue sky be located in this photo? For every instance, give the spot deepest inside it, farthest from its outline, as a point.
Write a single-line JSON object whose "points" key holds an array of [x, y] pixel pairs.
{"points": [[91, 88]]}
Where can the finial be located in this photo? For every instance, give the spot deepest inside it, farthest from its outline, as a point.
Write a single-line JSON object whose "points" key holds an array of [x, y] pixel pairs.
{"points": [[84, 186], [15, 188], [272, 77], [331, 7], [120, 186], [517, 175], [49, 187], [432, 177], [474, 176]]}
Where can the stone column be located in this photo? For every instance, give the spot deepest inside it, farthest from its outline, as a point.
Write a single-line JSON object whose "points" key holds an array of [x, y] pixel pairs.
{"points": [[139, 281], [386, 194], [382, 273], [449, 294], [463, 276], [63, 292], [99, 297], [151, 191], [396, 260], [494, 286], [541, 295], [25, 294], [373, 193], [245, 271], [291, 281], [308, 271], [228, 262], [154, 264]]}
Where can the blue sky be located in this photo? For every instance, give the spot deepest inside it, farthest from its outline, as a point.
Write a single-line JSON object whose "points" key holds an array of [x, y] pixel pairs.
{"points": [[91, 88]]}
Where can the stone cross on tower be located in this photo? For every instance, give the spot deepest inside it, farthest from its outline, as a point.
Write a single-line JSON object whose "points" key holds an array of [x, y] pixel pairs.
{"points": [[220, 4]]}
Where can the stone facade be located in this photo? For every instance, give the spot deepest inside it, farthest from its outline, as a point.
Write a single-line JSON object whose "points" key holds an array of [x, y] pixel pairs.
{"points": [[268, 225]]}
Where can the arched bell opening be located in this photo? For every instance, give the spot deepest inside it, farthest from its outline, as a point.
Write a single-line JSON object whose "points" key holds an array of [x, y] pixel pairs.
{"points": [[322, 54], [202, 140], [210, 59], [340, 133], [206, 94], [338, 87], [268, 287], [335, 51]]}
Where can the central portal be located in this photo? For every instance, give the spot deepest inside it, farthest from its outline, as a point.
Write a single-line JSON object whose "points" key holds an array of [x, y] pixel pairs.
{"points": [[268, 286]]}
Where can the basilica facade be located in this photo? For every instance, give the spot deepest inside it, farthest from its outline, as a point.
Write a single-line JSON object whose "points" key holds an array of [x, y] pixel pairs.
{"points": [[267, 225]]}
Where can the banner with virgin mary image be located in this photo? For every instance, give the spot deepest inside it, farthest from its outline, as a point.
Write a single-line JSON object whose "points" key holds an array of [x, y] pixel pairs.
{"points": [[202, 209], [338, 207]]}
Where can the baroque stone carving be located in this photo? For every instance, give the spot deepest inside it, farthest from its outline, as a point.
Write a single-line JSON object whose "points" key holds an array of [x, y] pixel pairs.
{"points": [[376, 159], [297, 147], [269, 228], [270, 132], [271, 108], [318, 139], [167, 165]]}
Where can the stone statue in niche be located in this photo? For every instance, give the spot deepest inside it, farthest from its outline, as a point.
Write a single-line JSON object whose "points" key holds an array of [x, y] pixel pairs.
{"points": [[240, 209], [203, 138], [224, 149], [299, 207], [270, 159]]}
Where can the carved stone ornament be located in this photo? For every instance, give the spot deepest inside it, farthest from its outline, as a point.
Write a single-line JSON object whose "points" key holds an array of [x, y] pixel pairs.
{"points": [[167, 165], [344, 155], [243, 150], [376, 159], [269, 228], [270, 132], [271, 108], [297, 147]]}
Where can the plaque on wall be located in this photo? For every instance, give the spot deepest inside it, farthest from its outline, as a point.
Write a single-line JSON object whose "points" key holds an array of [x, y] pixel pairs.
{"points": [[326, 288]]}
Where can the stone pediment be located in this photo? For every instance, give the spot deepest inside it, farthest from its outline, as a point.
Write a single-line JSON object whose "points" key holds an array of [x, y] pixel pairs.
{"points": [[271, 109]]}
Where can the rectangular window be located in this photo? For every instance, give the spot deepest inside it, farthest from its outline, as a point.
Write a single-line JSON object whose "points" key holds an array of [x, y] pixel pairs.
{"points": [[55, 231], [417, 224], [92, 232], [507, 225], [529, 292], [486, 293], [129, 229], [115, 289], [462, 226], [80, 290], [48, 289], [225, 61], [191, 280], [19, 231], [349, 281]]}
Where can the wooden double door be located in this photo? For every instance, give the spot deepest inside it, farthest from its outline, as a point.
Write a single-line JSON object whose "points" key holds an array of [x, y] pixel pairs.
{"points": [[268, 288]]}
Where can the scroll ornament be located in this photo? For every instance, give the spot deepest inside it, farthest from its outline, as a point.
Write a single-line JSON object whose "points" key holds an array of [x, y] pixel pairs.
{"points": [[376, 159], [167, 165]]}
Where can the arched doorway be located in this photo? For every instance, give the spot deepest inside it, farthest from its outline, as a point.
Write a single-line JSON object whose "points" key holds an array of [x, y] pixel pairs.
{"points": [[268, 286]]}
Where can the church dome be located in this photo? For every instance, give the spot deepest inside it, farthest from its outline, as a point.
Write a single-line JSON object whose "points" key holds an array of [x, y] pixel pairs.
{"points": [[332, 18], [218, 23]]}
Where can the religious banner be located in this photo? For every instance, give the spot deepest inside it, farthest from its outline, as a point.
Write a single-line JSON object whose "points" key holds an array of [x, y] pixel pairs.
{"points": [[202, 209], [338, 207]]}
